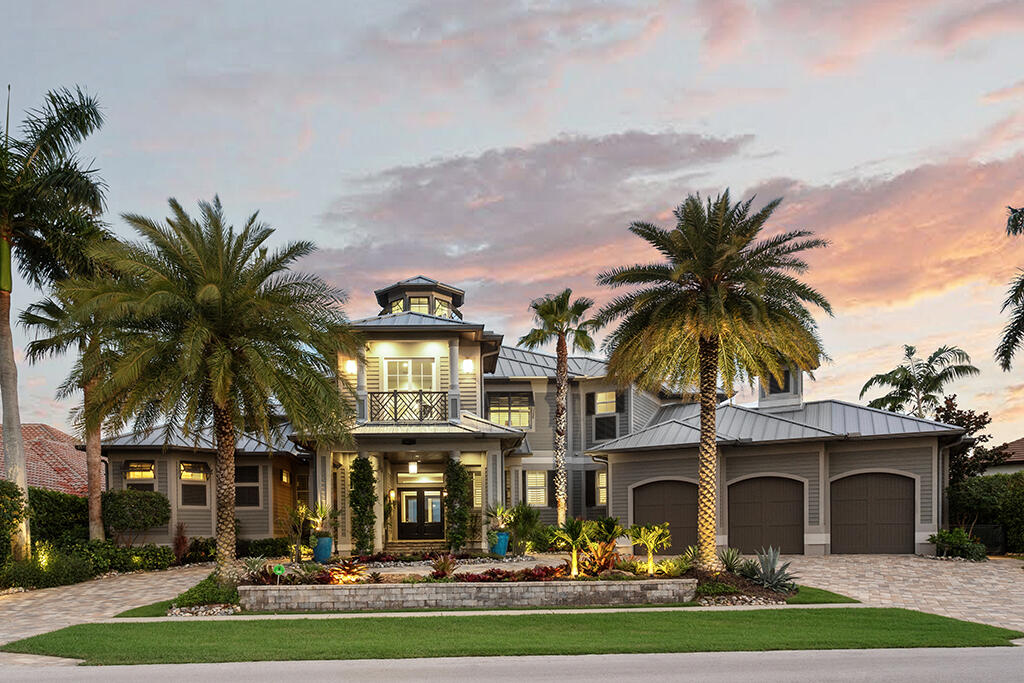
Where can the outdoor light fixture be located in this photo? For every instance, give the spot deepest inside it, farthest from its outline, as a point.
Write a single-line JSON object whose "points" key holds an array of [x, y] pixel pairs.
{"points": [[350, 367], [414, 467], [467, 365], [391, 495]]}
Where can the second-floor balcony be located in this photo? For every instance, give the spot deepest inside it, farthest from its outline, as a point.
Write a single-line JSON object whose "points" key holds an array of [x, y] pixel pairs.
{"points": [[408, 406]]}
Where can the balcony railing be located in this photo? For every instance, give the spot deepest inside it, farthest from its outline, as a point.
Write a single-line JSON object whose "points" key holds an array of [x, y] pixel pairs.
{"points": [[408, 406]]}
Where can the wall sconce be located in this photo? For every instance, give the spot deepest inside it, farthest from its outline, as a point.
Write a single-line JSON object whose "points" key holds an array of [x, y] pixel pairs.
{"points": [[391, 495], [414, 467], [467, 365], [350, 367]]}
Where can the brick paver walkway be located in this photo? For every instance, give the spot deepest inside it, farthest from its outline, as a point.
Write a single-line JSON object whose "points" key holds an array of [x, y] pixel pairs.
{"points": [[27, 614], [989, 592]]}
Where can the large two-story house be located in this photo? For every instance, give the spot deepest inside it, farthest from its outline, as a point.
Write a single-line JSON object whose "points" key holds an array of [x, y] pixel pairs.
{"points": [[814, 477]]}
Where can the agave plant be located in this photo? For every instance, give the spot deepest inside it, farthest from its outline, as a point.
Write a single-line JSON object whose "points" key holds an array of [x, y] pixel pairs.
{"points": [[652, 537], [690, 556], [573, 534], [253, 565], [347, 571], [765, 571], [730, 559]]}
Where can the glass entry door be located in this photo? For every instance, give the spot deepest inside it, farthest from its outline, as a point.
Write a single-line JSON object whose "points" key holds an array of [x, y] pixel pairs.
{"points": [[420, 514]]}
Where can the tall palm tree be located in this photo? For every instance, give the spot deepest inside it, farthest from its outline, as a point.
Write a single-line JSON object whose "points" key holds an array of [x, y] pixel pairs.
{"points": [[916, 385], [723, 303], [1013, 333], [558, 318], [212, 331], [47, 195]]}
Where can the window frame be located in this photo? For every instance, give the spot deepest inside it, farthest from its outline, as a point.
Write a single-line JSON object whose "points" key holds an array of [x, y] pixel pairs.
{"points": [[601, 489], [435, 367], [411, 309], [543, 487], [507, 395], [598, 402], [774, 388], [137, 483], [205, 483], [397, 306], [258, 485]]}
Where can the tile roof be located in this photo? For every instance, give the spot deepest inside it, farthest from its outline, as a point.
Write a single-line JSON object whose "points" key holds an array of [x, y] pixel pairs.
{"points": [[517, 362], [53, 462], [1016, 449]]}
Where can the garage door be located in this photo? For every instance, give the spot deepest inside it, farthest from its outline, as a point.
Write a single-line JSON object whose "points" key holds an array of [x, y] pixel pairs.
{"points": [[873, 513], [767, 511], [674, 502]]}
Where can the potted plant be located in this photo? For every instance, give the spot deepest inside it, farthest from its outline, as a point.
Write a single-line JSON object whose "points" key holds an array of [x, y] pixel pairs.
{"points": [[499, 517], [322, 518]]}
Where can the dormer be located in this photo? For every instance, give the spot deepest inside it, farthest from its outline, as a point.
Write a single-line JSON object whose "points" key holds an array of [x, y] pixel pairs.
{"points": [[421, 294], [784, 395]]}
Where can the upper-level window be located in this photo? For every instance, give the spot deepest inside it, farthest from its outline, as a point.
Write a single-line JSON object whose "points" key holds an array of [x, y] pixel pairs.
{"points": [[409, 374], [512, 409], [396, 306], [419, 304], [140, 476], [442, 308], [775, 388], [604, 402]]}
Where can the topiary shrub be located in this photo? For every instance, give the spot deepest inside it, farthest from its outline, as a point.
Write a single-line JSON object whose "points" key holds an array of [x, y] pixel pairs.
{"points": [[457, 504], [12, 510], [130, 513], [1011, 512], [58, 517], [362, 497]]}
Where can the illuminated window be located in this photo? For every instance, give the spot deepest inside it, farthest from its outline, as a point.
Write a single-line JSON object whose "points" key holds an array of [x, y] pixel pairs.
{"points": [[513, 409], [286, 477], [478, 490], [396, 306], [604, 402], [601, 480], [419, 304], [247, 486], [442, 308], [194, 471], [193, 490], [537, 488], [409, 374], [140, 476]]}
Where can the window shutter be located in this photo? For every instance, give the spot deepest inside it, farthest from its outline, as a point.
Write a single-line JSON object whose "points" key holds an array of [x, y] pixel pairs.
{"points": [[590, 403], [591, 488], [523, 492], [551, 489], [620, 402]]}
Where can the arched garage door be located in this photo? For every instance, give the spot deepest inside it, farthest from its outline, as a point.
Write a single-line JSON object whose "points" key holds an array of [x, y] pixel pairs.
{"points": [[674, 502], [767, 511], [873, 513]]}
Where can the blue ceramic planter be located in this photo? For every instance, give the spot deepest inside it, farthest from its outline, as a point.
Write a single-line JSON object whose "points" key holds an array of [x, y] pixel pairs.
{"points": [[501, 547], [322, 551]]}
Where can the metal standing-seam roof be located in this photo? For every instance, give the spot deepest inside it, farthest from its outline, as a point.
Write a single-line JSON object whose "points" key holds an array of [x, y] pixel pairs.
{"points": [[516, 362], [413, 319], [842, 417], [157, 437]]}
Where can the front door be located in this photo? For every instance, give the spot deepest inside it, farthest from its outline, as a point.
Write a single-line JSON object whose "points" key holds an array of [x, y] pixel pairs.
{"points": [[420, 514]]}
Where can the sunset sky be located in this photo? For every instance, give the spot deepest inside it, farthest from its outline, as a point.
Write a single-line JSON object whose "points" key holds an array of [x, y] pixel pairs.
{"points": [[504, 147]]}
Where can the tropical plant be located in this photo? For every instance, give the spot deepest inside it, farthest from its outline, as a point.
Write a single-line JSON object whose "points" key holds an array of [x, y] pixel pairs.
{"points": [[443, 566], [747, 567], [295, 519], [599, 557], [214, 332], [362, 497], [766, 571], [691, 556], [966, 461], [916, 384], [730, 559], [323, 517], [49, 199], [653, 537], [1013, 332], [254, 565], [458, 502], [347, 571], [499, 516], [573, 535], [671, 568], [606, 530], [523, 522], [558, 318], [723, 304]]}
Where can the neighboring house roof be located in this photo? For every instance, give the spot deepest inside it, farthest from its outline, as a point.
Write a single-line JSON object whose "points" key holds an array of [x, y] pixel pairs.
{"points": [[53, 462], [516, 362], [678, 425], [203, 441], [1016, 450]]}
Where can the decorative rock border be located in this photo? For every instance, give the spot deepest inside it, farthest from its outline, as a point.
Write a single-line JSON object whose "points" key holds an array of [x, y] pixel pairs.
{"points": [[332, 598]]}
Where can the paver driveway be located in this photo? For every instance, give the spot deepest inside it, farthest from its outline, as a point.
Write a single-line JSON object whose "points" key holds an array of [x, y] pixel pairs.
{"points": [[27, 614], [989, 592]]}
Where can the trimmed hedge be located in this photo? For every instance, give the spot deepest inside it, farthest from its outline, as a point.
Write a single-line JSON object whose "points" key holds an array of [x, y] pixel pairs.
{"points": [[129, 513], [53, 565], [58, 517], [12, 511]]}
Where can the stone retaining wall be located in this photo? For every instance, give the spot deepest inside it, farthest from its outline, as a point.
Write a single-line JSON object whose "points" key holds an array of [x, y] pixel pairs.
{"points": [[387, 596]]}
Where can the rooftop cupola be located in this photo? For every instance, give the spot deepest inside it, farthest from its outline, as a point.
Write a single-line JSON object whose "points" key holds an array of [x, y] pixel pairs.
{"points": [[421, 294], [784, 395]]}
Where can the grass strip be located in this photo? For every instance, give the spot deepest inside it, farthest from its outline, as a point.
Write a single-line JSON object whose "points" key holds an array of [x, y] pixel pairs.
{"points": [[807, 595], [532, 634]]}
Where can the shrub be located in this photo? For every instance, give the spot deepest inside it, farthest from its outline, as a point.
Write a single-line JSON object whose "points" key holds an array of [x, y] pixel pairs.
{"points": [[180, 543], [977, 500], [209, 591], [201, 549], [524, 524], [1011, 512], [362, 497], [671, 568], [129, 513], [712, 588], [12, 511], [457, 504], [265, 547], [766, 572], [443, 566], [957, 543], [730, 559], [59, 517], [48, 567], [107, 556]]}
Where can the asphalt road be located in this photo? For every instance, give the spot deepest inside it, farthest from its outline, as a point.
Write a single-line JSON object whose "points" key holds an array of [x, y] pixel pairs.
{"points": [[906, 666]]}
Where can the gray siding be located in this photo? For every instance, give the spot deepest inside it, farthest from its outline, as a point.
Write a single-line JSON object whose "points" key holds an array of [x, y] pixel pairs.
{"points": [[916, 461], [644, 408], [804, 465], [623, 474], [253, 522]]}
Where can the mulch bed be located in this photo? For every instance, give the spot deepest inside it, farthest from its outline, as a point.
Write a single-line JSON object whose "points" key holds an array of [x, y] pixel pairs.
{"points": [[745, 586]]}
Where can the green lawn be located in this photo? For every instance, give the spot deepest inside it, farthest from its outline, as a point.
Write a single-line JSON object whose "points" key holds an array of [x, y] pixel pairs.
{"points": [[156, 609], [817, 596], [525, 634]]}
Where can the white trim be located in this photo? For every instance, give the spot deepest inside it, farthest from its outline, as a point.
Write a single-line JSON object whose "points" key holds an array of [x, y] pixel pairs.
{"points": [[817, 539], [644, 482], [761, 475], [435, 367], [922, 536], [259, 487]]}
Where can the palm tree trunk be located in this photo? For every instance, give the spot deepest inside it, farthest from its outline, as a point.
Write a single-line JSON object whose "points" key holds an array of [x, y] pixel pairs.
{"points": [[14, 445], [707, 478], [561, 397], [224, 431], [94, 470]]}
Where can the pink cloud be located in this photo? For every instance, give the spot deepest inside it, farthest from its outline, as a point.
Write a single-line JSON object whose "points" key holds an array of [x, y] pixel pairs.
{"points": [[978, 21], [1010, 92], [729, 24]]}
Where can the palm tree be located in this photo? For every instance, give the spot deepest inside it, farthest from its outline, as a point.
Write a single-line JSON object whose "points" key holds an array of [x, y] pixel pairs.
{"points": [[916, 385], [212, 331], [653, 537], [574, 534], [722, 303], [47, 196], [558, 318], [1013, 333]]}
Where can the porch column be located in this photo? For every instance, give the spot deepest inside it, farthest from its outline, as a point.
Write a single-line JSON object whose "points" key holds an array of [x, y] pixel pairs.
{"points": [[378, 508], [495, 479], [321, 476], [361, 408], [455, 455], [453, 379]]}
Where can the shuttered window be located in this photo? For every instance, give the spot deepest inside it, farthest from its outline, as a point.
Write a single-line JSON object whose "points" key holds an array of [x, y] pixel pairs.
{"points": [[604, 427], [193, 477], [537, 488], [604, 402], [512, 409], [193, 495], [602, 488]]}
